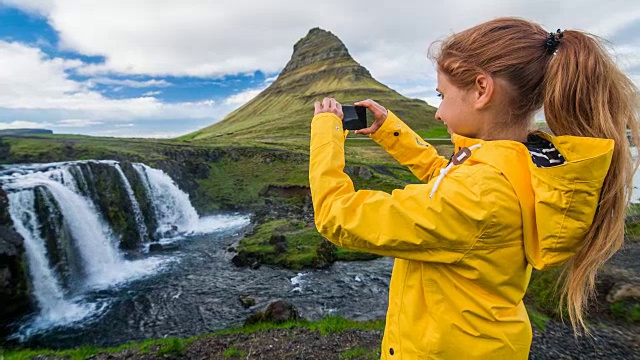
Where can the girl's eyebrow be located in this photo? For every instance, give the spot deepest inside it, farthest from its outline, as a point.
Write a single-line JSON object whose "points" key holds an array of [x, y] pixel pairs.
{"points": [[438, 90]]}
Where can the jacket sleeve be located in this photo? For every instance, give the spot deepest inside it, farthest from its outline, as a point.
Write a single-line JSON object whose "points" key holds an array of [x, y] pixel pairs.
{"points": [[404, 224], [409, 149]]}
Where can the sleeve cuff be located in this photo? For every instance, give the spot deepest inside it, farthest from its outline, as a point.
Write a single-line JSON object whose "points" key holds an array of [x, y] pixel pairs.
{"points": [[326, 128], [390, 131]]}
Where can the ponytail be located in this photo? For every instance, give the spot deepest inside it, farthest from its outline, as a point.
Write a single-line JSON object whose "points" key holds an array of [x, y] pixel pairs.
{"points": [[586, 94]]}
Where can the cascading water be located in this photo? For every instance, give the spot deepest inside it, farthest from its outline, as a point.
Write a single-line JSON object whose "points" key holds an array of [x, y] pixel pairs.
{"points": [[38, 193], [171, 205], [142, 228], [48, 291]]}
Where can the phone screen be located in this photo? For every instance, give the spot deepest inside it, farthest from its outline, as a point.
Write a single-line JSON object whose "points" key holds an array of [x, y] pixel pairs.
{"points": [[355, 117]]}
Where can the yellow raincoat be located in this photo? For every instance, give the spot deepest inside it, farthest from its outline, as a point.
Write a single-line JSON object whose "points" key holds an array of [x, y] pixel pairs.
{"points": [[464, 249]]}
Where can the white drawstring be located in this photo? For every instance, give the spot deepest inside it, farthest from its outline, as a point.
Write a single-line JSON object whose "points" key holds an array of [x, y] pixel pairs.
{"points": [[444, 171]]}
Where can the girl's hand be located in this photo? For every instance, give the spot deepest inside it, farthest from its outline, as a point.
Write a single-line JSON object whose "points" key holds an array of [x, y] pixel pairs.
{"points": [[378, 111], [329, 105]]}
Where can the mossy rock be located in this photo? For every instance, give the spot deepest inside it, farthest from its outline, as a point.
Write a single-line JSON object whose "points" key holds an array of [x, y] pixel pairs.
{"points": [[292, 244]]}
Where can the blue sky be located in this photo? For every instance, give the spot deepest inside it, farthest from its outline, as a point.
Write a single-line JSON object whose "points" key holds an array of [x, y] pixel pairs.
{"points": [[165, 68]]}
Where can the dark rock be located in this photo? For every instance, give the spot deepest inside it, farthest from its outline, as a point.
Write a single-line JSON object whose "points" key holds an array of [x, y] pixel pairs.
{"points": [[278, 311], [247, 301], [114, 204], [155, 247], [317, 46], [247, 259], [623, 291], [231, 249], [365, 173], [15, 300], [381, 169], [279, 241]]}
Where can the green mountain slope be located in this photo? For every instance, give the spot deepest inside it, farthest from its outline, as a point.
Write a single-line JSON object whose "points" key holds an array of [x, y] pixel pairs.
{"points": [[319, 67]]}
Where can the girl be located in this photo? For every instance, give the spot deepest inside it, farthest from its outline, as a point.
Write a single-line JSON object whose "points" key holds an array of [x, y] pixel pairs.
{"points": [[509, 200]]}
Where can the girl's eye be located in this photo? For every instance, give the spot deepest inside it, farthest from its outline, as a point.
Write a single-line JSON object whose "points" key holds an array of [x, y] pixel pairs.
{"points": [[439, 95]]}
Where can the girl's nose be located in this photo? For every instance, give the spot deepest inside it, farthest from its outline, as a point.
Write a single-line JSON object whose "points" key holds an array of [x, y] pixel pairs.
{"points": [[438, 115]]}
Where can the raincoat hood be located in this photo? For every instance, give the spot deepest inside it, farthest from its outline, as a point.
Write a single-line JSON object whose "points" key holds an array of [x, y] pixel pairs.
{"points": [[557, 203]]}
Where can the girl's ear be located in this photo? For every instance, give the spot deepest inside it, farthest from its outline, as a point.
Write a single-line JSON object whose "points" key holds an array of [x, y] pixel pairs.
{"points": [[483, 91]]}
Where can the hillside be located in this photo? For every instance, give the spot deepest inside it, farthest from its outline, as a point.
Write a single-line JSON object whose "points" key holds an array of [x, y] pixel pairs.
{"points": [[320, 66]]}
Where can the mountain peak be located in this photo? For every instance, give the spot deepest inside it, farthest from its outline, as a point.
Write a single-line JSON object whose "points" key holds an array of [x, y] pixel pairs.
{"points": [[319, 67], [318, 45]]}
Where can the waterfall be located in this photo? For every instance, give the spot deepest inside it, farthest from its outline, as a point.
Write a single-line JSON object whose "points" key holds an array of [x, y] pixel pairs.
{"points": [[142, 228], [65, 213], [69, 194], [170, 204], [46, 286]]}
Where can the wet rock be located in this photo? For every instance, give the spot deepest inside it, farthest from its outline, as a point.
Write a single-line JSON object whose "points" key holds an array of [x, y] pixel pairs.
{"points": [[278, 311], [247, 301], [623, 291], [14, 292], [279, 241], [155, 247], [231, 249]]}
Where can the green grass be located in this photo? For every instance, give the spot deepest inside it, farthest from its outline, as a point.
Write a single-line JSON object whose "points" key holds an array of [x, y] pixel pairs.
{"points": [[234, 352], [337, 325], [542, 290], [171, 346], [177, 347], [436, 132], [360, 353], [626, 310], [538, 319], [174, 346]]}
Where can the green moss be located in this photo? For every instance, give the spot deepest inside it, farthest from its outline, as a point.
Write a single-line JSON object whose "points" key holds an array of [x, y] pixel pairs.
{"points": [[234, 352], [291, 244]]}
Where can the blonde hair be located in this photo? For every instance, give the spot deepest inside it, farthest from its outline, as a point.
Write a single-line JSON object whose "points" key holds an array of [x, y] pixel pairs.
{"points": [[583, 93]]}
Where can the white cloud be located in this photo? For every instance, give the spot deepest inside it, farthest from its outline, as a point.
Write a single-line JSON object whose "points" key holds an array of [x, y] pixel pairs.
{"points": [[201, 38], [152, 93], [77, 123], [213, 39], [126, 125], [40, 7], [18, 124], [32, 80], [243, 97], [127, 82]]}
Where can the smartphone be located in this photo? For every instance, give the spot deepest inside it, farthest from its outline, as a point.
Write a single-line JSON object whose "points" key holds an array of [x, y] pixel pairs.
{"points": [[355, 117]]}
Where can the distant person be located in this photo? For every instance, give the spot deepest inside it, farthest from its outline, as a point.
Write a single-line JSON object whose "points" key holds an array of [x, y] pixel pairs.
{"points": [[509, 200]]}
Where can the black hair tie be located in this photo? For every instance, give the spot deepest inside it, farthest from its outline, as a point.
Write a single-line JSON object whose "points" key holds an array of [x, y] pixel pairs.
{"points": [[553, 41]]}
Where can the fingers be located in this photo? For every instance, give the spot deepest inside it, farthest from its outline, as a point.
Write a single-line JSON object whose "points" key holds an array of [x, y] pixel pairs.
{"points": [[378, 111], [368, 131], [328, 105]]}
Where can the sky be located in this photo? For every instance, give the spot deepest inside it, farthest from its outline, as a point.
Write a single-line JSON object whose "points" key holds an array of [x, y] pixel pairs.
{"points": [[161, 68]]}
